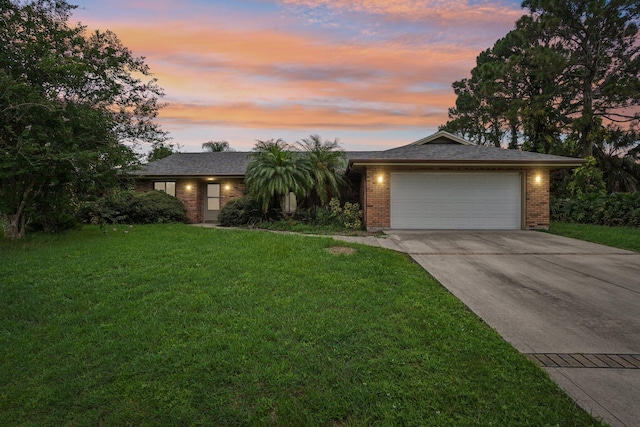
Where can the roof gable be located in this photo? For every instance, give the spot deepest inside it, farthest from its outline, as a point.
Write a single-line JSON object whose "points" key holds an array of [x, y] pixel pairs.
{"points": [[442, 137]]}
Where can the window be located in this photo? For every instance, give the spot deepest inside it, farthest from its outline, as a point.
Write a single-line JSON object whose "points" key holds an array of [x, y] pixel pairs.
{"points": [[168, 187], [213, 197]]}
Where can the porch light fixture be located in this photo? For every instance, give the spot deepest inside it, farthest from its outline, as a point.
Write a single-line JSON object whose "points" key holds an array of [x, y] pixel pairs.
{"points": [[538, 179], [189, 187], [380, 179], [227, 187]]}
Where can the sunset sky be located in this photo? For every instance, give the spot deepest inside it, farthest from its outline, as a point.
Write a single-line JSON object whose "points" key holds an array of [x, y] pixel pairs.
{"points": [[375, 74]]}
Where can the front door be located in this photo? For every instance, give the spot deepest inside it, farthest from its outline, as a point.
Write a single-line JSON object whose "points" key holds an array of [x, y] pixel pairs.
{"points": [[212, 202]]}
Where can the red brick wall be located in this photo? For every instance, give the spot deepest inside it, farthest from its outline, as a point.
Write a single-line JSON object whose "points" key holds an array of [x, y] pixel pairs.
{"points": [[189, 192], [537, 199], [377, 198], [144, 186], [231, 189]]}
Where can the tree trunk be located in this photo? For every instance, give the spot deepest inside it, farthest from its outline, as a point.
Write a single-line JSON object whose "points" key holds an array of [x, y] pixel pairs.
{"points": [[513, 144], [16, 226], [587, 122], [282, 199], [18, 219]]}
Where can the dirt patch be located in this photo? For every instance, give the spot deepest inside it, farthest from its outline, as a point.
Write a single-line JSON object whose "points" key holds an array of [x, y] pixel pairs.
{"points": [[341, 250]]}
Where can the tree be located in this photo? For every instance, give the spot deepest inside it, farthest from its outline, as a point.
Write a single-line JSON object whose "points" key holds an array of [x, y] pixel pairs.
{"points": [[216, 146], [72, 107], [274, 171], [161, 150], [565, 81], [601, 80], [618, 159], [512, 93], [327, 162]]}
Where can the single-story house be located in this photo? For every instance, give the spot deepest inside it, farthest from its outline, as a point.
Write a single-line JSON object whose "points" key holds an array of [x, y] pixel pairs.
{"points": [[439, 182]]}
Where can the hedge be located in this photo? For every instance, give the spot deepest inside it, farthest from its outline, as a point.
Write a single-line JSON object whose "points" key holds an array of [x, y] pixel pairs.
{"points": [[615, 209], [131, 207]]}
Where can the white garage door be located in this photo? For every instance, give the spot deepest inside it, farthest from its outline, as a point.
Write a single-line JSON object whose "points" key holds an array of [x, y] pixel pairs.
{"points": [[460, 200]]}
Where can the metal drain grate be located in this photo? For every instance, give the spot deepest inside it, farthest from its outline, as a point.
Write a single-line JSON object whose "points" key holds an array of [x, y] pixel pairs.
{"points": [[582, 360]]}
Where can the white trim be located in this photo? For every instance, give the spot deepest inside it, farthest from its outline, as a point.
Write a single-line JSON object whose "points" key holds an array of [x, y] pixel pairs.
{"points": [[443, 134]]}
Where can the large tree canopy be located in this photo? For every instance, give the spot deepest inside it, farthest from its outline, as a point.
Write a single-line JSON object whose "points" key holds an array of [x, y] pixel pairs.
{"points": [[600, 82], [564, 78], [72, 108]]}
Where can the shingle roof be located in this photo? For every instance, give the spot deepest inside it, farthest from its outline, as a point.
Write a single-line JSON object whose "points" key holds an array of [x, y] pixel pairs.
{"points": [[226, 163], [359, 154], [452, 153], [433, 152], [445, 148]]}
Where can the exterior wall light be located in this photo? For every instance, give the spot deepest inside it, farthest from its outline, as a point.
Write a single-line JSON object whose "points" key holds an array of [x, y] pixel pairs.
{"points": [[227, 187], [380, 179], [189, 187], [538, 179]]}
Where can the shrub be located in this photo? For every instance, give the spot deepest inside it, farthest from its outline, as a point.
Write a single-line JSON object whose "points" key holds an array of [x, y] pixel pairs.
{"points": [[587, 179], [54, 215], [352, 216], [133, 208], [156, 207], [348, 216], [618, 208], [239, 212], [109, 209], [615, 209]]}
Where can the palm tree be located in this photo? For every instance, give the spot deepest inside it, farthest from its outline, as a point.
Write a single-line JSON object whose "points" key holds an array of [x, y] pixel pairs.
{"points": [[274, 171], [216, 146], [618, 159], [327, 161], [621, 172]]}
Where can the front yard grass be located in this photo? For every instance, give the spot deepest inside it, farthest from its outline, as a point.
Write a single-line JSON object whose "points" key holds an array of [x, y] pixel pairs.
{"points": [[304, 228], [179, 325], [618, 237]]}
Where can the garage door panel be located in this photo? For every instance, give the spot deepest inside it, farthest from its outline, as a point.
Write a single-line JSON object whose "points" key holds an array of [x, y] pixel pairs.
{"points": [[455, 200]]}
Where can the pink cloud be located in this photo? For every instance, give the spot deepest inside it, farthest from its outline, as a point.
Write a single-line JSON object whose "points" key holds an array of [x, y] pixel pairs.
{"points": [[295, 117], [269, 77], [250, 79], [434, 11]]}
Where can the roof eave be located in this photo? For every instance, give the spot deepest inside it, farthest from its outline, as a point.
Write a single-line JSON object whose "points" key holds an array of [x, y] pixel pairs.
{"points": [[468, 163], [189, 176]]}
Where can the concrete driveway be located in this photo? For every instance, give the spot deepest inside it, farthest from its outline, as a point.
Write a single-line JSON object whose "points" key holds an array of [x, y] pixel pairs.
{"points": [[572, 306], [550, 296]]}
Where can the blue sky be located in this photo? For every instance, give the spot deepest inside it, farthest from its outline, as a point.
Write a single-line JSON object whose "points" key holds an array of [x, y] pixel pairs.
{"points": [[373, 73]]}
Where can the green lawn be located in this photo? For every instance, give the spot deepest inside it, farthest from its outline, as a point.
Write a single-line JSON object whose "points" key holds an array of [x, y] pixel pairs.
{"points": [[618, 237], [179, 325]]}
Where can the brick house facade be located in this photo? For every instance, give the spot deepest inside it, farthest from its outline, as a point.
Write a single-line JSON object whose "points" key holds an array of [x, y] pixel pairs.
{"points": [[191, 192], [190, 175], [391, 180], [376, 195]]}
